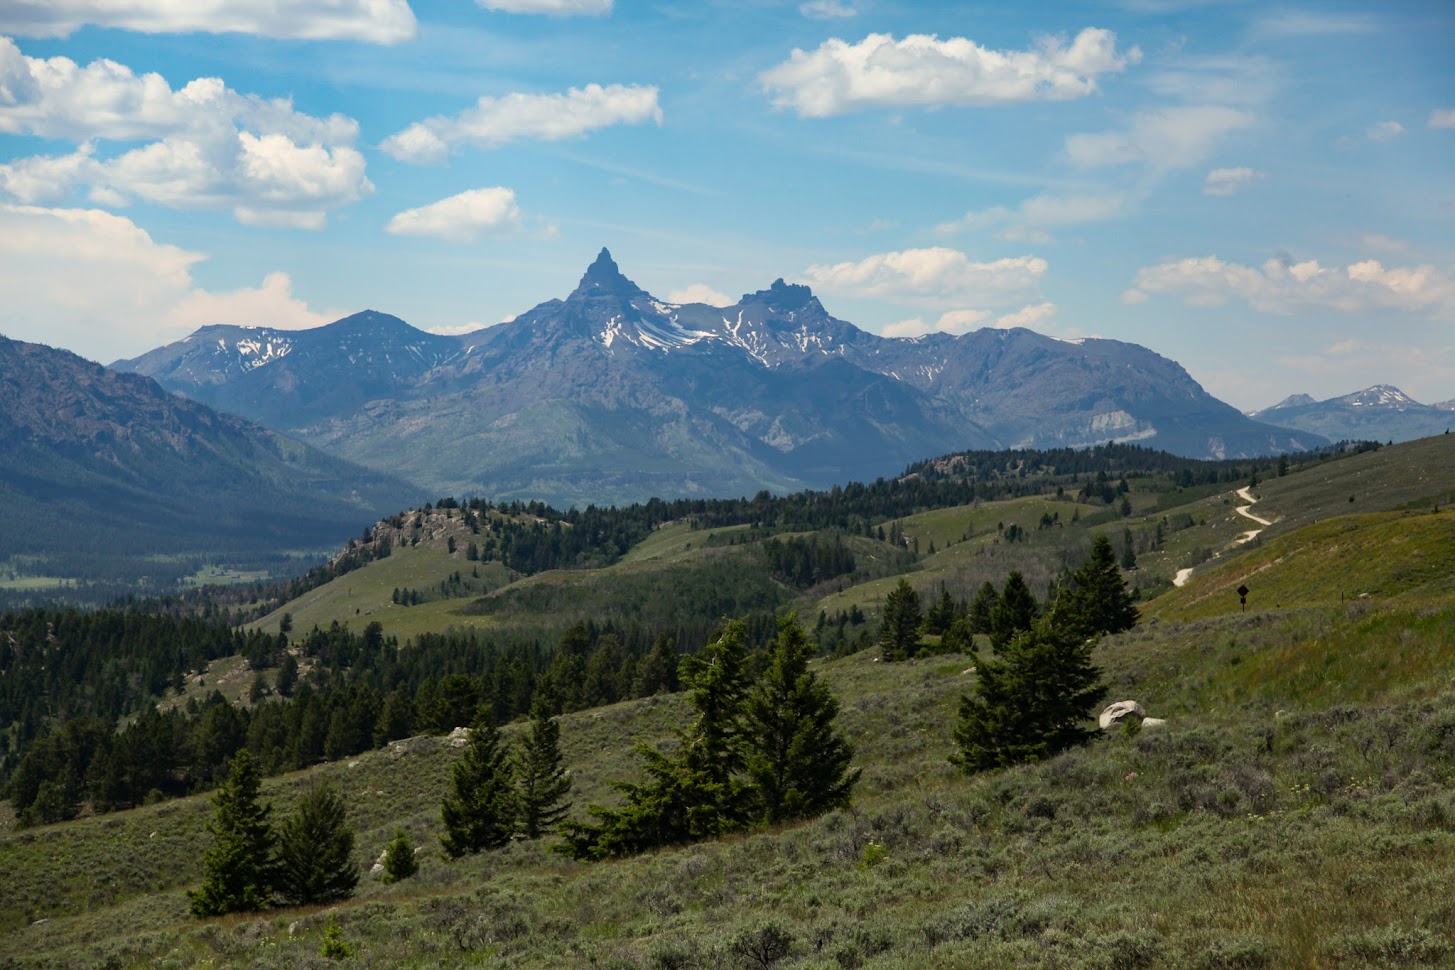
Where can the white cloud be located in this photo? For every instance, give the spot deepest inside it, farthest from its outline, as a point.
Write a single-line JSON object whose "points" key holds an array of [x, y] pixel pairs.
{"points": [[461, 218], [1384, 130], [552, 8], [936, 276], [1030, 317], [1385, 244], [1133, 296], [1174, 137], [272, 304], [700, 293], [1442, 118], [373, 21], [1282, 287], [953, 321], [880, 72], [827, 9], [98, 284], [215, 148], [458, 331], [1226, 181], [493, 122], [1042, 210], [1307, 23]]}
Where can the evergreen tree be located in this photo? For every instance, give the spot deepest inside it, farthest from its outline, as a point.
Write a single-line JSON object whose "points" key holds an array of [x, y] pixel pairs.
{"points": [[657, 673], [1030, 701], [1096, 600], [899, 634], [797, 764], [983, 608], [542, 781], [1015, 610], [481, 813], [237, 872], [399, 860], [939, 616], [315, 851], [695, 792]]}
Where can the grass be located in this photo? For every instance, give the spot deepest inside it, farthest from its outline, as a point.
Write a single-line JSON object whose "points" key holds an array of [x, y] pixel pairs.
{"points": [[1229, 838], [1295, 811]]}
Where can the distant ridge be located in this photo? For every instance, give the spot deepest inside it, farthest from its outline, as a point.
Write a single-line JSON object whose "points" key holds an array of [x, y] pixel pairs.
{"points": [[611, 395], [1382, 412], [105, 469]]}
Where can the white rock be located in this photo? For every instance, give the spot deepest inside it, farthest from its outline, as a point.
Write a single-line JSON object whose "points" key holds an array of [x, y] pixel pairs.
{"points": [[1153, 722], [1116, 713]]}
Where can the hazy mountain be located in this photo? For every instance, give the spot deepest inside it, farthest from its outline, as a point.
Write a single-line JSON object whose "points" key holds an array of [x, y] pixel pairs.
{"points": [[612, 395], [1381, 413], [103, 467]]}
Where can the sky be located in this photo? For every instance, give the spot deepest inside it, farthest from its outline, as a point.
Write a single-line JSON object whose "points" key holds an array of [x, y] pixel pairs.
{"points": [[1264, 193]]}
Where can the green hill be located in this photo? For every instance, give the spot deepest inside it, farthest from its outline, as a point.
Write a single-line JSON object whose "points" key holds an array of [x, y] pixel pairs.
{"points": [[1294, 811]]}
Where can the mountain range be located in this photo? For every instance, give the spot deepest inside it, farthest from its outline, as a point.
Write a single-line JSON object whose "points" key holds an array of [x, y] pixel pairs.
{"points": [[611, 395], [1380, 413], [108, 469]]}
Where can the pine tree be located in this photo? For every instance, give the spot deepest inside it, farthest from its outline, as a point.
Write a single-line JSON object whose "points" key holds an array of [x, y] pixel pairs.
{"points": [[1015, 610], [542, 781], [1096, 600], [797, 764], [695, 792], [1030, 701], [983, 608], [657, 672], [899, 634], [237, 871], [399, 860], [481, 813], [315, 851]]}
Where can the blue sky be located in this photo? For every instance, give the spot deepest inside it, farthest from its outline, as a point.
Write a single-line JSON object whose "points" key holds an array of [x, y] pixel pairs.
{"points": [[1264, 193]]}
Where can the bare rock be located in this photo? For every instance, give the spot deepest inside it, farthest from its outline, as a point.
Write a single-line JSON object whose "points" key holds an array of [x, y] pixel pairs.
{"points": [[458, 738], [1153, 722], [1116, 713]]}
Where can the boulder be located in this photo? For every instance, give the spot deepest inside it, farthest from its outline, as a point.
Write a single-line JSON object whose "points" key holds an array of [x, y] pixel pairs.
{"points": [[459, 737], [1116, 713], [1153, 722]]}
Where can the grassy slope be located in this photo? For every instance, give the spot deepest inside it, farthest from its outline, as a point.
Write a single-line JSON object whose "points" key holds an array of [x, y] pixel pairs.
{"points": [[1296, 811]]}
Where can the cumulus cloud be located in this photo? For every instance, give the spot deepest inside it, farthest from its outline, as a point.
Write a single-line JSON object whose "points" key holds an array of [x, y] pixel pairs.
{"points": [[137, 293], [922, 70], [493, 122], [458, 331], [1226, 181], [1384, 130], [213, 148], [827, 9], [936, 276], [1174, 137], [461, 218], [1442, 118], [953, 321], [1030, 317], [700, 293], [1284, 287], [1023, 220], [552, 8], [373, 21]]}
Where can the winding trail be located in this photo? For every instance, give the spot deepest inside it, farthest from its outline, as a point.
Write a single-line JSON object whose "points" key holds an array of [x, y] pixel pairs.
{"points": [[1243, 510], [1244, 493]]}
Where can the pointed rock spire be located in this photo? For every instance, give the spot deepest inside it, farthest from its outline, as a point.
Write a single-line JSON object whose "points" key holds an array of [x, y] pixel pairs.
{"points": [[603, 278]]}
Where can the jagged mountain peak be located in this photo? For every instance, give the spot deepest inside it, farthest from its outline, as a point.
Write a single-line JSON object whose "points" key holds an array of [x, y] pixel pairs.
{"points": [[604, 278], [783, 297]]}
